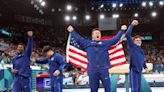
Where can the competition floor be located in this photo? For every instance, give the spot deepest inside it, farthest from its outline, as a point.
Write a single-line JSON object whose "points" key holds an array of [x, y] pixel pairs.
{"points": [[154, 89]]}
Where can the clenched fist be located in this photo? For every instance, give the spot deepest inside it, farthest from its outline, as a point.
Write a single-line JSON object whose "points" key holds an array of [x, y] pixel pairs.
{"points": [[30, 33], [135, 22], [70, 28], [123, 27]]}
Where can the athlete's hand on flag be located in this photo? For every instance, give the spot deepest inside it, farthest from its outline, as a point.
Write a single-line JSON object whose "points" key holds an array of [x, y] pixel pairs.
{"points": [[56, 73], [30, 33], [70, 28], [135, 22]]}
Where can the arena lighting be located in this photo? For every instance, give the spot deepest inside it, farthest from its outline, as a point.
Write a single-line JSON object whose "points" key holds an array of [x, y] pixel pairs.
{"points": [[40, 1], [161, 3], [87, 17], [121, 5], [35, 6], [114, 5], [154, 14], [144, 4], [69, 7], [74, 17], [102, 16], [52, 10], [115, 15], [102, 6], [32, 2], [67, 18], [151, 3], [135, 14], [43, 3]]}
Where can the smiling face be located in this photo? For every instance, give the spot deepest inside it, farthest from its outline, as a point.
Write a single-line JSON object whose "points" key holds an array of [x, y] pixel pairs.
{"points": [[96, 34]]}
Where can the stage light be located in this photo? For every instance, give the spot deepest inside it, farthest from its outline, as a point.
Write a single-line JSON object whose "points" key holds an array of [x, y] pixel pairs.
{"points": [[74, 17], [40, 1], [136, 15], [102, 16], [121, 5], [115, 15], [92, 8], [161, 3], [69, 7], [153, 14], [67, 18], [151, 3], [102, 6], [87, 17], [43, 3], [35, 6], [59, 9], [114, 5], [32, 2], [144, 4], [52, 10]]}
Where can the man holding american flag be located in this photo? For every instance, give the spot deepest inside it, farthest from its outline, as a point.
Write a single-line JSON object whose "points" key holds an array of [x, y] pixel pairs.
{"points": [[98, 56]]}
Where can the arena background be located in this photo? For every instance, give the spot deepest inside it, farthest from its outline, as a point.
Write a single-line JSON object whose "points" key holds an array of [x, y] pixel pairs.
{"points": [[48, 19]]}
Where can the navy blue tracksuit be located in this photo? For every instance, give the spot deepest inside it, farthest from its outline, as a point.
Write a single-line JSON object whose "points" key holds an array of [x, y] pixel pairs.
{"points": [[21, 62], [98, 57], [56, 62], [137, 62]]}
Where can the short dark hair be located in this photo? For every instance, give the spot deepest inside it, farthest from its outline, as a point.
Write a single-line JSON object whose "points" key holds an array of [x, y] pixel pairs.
{"points": [[46, 48], [95, 29], [22, 45], [137, 36]]}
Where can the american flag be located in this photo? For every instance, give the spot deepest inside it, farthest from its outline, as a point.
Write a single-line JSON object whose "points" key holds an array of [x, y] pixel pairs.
{"points": [[78, 58]]}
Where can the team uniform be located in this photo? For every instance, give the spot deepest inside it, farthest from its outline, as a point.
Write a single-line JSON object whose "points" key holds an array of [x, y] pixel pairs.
{"points": [[98, 57], [56, 62], [21, 62], [137, 62]]}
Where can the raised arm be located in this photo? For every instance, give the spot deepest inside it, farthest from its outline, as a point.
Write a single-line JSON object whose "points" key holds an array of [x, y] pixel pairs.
{"points": [[82, 41], [114, 40], [129, 32], [28, 50]]}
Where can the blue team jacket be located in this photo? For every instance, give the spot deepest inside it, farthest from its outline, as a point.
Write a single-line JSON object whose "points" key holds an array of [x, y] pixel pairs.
{"points": [[136, 53], [56, 62], [97, 52], [22, 61]]}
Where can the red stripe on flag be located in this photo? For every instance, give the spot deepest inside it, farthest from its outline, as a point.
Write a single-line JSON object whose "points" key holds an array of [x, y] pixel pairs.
{"points": [[117, 57], [114, 46], [118, 64], [71, 50], [117, 50], [78, 66], [81, 61]]}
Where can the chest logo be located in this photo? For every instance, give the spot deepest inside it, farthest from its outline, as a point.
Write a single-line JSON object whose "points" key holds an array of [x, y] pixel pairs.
{"points": [[99, 42], [52, 59]]}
